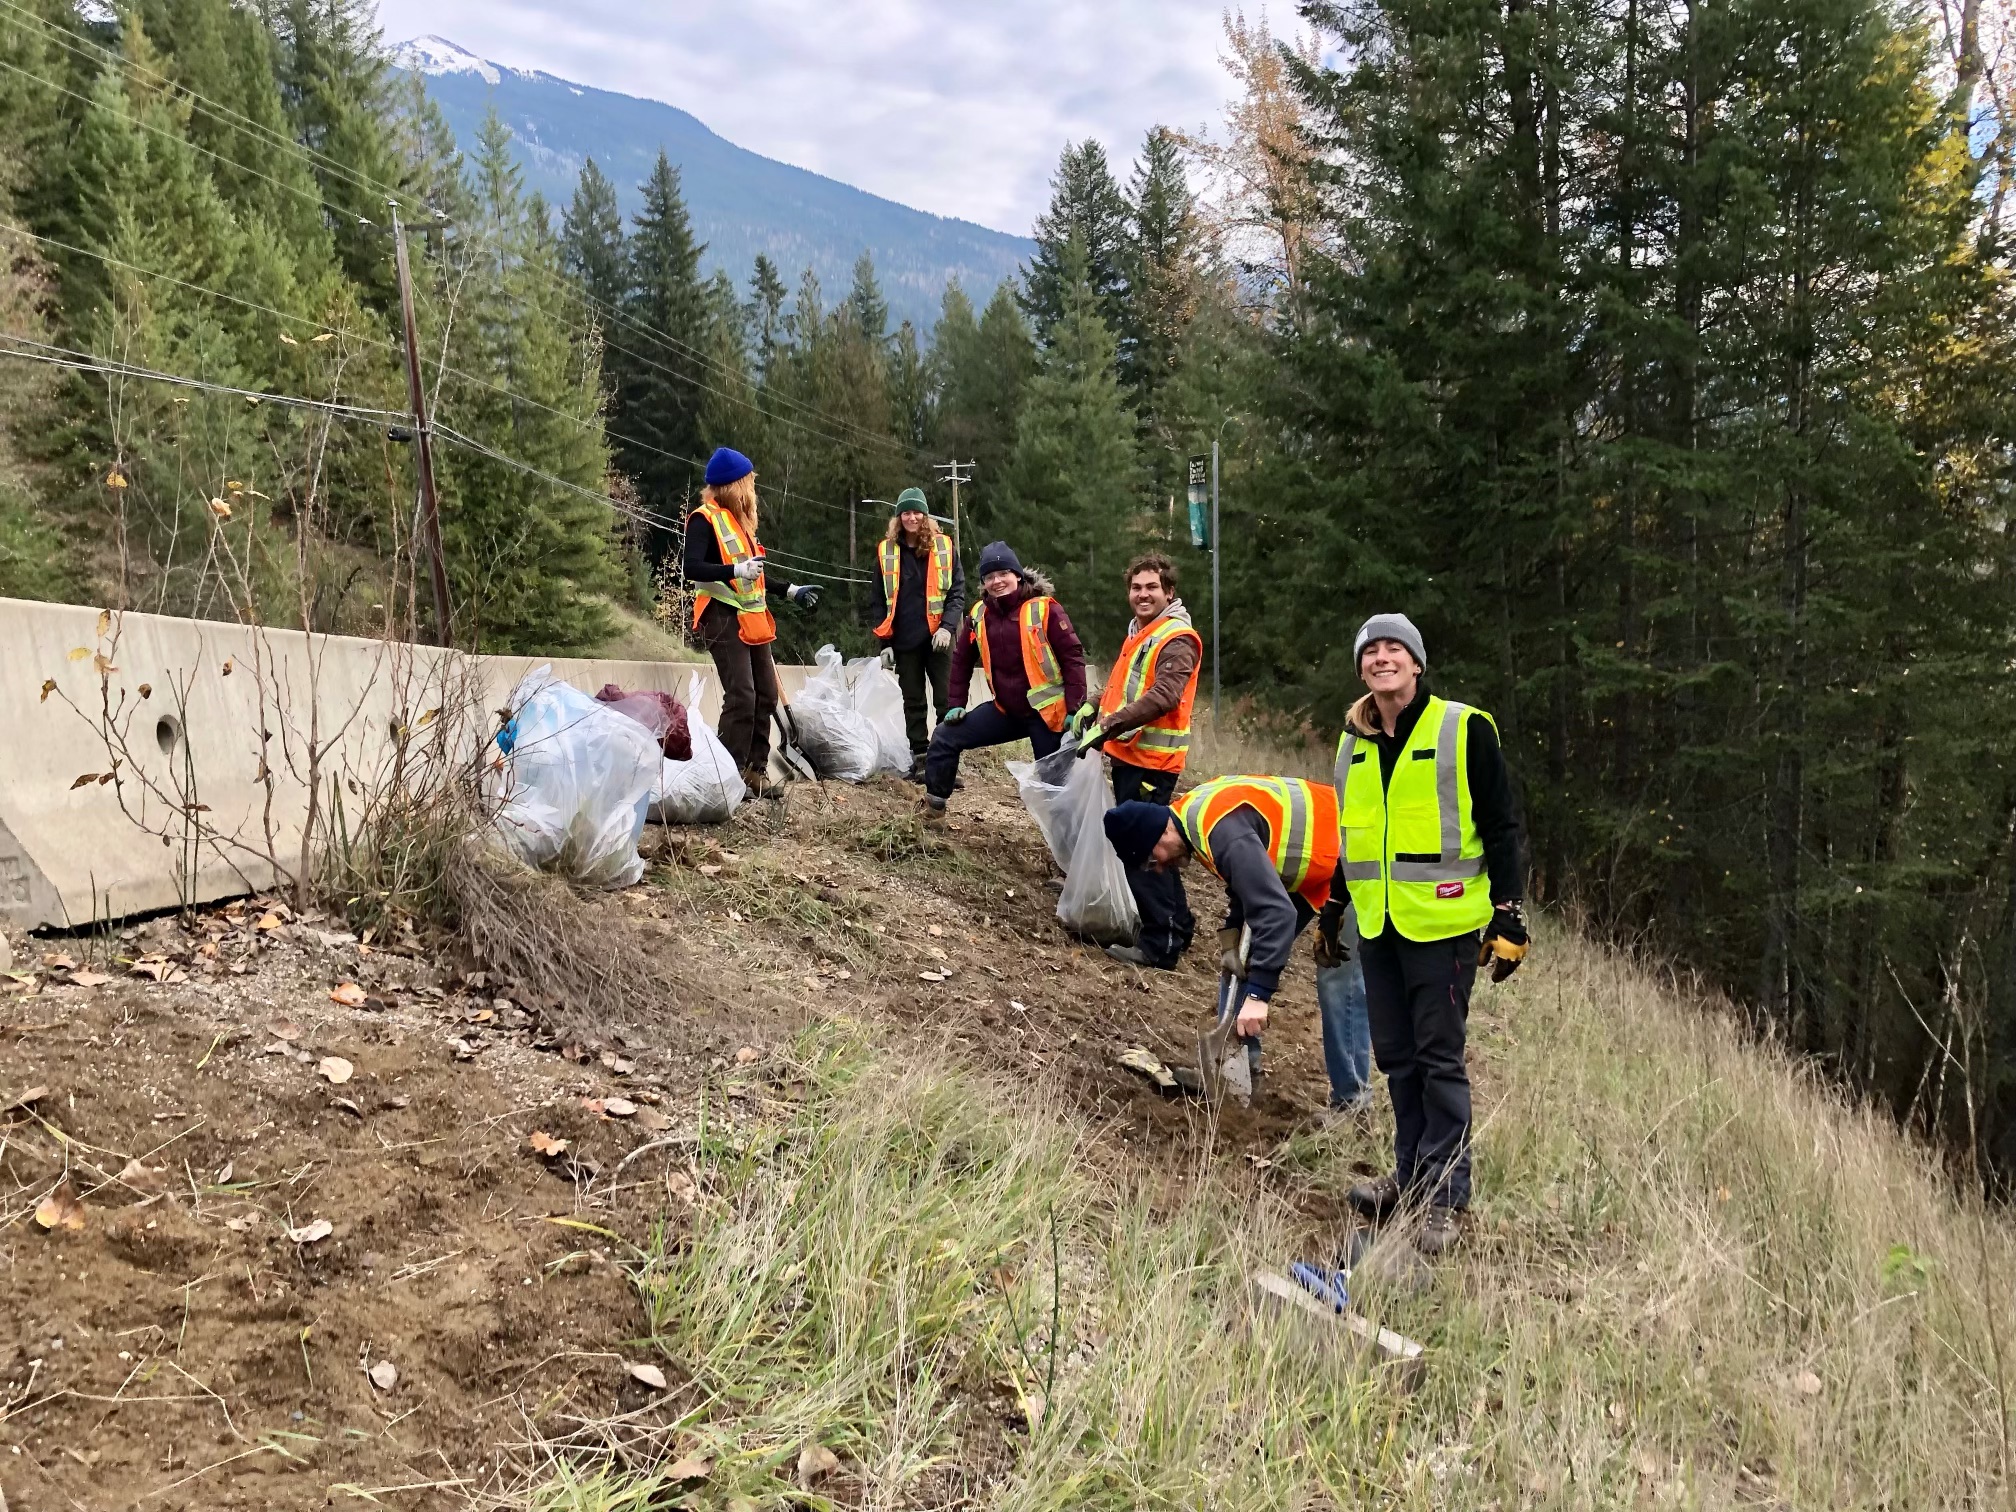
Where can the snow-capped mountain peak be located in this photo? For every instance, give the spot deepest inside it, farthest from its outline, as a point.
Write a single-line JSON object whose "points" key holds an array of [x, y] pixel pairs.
{"points": [[437, 55]]}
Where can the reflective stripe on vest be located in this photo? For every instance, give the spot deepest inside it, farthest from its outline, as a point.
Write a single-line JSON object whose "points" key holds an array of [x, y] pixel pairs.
{"points": [[937, 581], [1163, 744], [1411, 847], [1039, 661], [750, 601], [1301, 818]]}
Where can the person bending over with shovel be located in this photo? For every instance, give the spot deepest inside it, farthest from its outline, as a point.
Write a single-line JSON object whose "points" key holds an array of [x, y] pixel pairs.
{"points": [[1273, 842]]}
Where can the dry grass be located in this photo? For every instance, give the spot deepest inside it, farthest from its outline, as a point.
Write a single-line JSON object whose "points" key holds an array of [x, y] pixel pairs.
{"points": [[1697, 1278]]}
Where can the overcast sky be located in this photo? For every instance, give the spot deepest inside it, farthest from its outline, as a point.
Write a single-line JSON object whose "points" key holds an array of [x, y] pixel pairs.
{"points": [[954, 106]]}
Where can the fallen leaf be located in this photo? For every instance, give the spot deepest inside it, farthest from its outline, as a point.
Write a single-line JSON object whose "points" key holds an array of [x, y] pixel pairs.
{"points": [[347, 1106], [153, 967], [335, 1070], [32, 1095], [748, 1055], [546, 1144], [652, 1121], [936, 930], [309, 1233], [709, 871], [349, 994], [58, 961], [224, 1171], [693, 1467], [815, 1461], [651, 1376], [285, 1029], [1807, 1383], [618, 1107], [88, 979], [268, 921], [144, 1178], [61, 1208], [242, 1223], [384, 1375]]}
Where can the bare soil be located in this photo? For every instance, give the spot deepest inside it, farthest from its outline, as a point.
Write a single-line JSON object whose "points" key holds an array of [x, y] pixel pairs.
{"points": [[192, 1344]]}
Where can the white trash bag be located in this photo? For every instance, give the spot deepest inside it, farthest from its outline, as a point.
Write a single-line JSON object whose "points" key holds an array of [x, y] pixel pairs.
{"points": [[575, 782], [1096, 902], [837, 737], [878, 698], [705, 790]]}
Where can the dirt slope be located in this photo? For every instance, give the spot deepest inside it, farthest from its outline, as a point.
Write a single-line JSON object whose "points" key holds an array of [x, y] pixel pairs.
{"points": [[181, 1349]]}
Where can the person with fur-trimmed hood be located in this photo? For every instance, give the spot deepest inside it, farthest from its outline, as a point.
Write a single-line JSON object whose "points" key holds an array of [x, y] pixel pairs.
{"points": [[1020, 636]]}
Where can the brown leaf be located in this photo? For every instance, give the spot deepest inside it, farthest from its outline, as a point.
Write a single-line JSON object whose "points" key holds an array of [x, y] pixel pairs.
{"points": [[31, 1096], [285, 1029], [144, 1178], [748, 1055], [86, 780], [814, 1462], [650, 1375], [103, 663], [384, 1375], [220, 509], [618, 1107], [111, 776], [58, 960], [62, 1208], [546, 1144], [691, 1468], [227, 666], [335, 1070], [651, 1121], [268, 921], [146, 690], [88, 979], [48, 687], [115, 479], [153, 967], [349, 994], [309, 1233]]}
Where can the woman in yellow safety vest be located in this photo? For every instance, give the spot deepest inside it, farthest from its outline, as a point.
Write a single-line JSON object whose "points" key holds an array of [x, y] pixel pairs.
{"points": [[923, 595], [731, 611], [1431, 855]]}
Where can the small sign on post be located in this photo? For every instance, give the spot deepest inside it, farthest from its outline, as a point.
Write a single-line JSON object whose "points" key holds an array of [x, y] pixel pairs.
{"points": [[1200, 496]]}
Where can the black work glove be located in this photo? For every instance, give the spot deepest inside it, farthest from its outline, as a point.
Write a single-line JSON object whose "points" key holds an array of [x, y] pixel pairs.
{"points": [[1504, 944], [806, 594], [1330, 947]]}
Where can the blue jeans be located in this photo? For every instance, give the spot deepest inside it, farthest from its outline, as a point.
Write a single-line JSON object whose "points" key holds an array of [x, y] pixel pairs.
{"points": [[1347, 1030]]}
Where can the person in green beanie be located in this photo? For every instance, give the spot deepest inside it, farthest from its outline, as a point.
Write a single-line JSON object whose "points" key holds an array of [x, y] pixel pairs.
{"points": [[923, 596]]}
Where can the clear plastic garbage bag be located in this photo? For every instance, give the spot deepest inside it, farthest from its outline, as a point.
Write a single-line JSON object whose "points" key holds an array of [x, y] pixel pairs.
{"points": [[574, 784], [1096, 901], [705, 790], [835, 736], [878, 698]]}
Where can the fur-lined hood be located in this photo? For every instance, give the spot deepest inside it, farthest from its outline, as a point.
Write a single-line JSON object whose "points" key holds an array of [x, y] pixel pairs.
{"points": [[1034, 585]]}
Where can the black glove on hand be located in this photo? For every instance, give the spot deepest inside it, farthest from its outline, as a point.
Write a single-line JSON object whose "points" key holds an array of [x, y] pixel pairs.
{"points": [[1504, 944], [806, 594], [1229, 956], [1330, 947]]}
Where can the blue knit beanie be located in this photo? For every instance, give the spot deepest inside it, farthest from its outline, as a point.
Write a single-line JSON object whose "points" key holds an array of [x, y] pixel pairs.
{"points": [[996, 557], [726, 466], [1135, 829]]}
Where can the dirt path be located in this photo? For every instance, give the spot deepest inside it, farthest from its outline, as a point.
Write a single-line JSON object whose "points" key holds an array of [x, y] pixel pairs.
{"points": [[201, 1340]]}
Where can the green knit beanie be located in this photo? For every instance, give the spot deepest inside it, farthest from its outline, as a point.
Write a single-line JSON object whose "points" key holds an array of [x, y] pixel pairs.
{"points": [[910, 498]]}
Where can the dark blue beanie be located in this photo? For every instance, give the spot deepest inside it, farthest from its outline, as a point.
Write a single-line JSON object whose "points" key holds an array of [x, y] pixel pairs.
{"points": [[996, 557], [727, 466], [1135, 829]]}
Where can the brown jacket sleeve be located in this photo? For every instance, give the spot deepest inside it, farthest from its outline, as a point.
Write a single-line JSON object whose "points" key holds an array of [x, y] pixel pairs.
{"points": [[1172, 670]]}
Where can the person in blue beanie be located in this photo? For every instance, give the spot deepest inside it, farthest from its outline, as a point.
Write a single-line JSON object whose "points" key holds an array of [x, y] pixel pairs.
{"points": [[731, 611]]}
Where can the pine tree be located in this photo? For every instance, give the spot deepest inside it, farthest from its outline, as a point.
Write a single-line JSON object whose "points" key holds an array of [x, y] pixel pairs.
{"points": [[766, 312], [591, 242], [658, 368], [1165, 281], [1073, 475], [978, 374], [1085, 203], [866, 307]]}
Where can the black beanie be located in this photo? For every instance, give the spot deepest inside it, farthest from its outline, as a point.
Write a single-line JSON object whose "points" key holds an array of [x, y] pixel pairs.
{"points": [[996, 557], [1135, 829]]}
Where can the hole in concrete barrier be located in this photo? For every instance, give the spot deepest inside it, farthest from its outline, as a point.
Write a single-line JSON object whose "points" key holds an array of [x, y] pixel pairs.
{"points": [[168, 734]]}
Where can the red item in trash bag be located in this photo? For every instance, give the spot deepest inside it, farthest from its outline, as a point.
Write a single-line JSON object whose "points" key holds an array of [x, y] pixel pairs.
{"points": [[660, 713]]}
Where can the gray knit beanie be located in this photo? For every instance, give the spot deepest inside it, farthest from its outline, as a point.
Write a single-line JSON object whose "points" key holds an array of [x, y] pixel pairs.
{"points": [[1390, 627]]}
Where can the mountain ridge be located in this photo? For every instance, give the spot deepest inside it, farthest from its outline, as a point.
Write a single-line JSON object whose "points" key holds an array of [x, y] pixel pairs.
{"points": [[741, 202]]}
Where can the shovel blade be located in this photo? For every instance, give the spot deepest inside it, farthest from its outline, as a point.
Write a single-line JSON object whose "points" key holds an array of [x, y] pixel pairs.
{"points": [[1211, 1058]]}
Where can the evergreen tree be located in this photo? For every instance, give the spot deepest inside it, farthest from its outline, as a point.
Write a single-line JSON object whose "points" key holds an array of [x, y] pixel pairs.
{"points": [[1085, 204], [866, 307], [591, 242], [909, 402], [1165, 281], [978, 373], [1073, 475], [766, 312], [658, 370]]}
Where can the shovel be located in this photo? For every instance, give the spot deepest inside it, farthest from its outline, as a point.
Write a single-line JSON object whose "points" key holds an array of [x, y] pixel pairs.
{"points": [[796, 763], [1220, 1044]]}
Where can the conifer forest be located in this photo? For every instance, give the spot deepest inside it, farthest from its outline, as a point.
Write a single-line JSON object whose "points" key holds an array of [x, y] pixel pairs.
{"points": [[1659, 361]]}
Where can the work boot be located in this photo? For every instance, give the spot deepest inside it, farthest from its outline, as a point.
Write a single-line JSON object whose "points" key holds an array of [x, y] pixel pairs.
{"points": [[916, 771], [1375, 1199], [761, 785], [931, 809], [1357, 1113], [1439, 1231], [1128, 955]]}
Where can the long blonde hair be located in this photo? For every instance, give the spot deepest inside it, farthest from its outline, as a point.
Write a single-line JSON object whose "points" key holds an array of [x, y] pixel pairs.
{"points": [[738, 498], [925, 538], [1364, 716]]}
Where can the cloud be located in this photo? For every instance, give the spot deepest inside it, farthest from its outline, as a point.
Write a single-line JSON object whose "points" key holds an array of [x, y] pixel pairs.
{"points": [[957, 108]]}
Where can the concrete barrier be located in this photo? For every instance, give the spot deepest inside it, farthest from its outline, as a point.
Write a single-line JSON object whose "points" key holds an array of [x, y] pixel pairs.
{"points": [[209, 734]]}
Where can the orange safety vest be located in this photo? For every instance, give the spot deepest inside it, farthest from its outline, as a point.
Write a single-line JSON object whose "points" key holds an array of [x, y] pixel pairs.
{"points": [[1162, 744], [937, 581], [1039, 662], [1303, 838], [750, 601]]}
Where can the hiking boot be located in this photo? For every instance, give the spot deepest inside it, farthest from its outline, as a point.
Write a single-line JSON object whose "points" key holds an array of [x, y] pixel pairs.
{"points": [[1357, 1113], [1439, 1231], [931, 809], [761, 785], [1375, 1199], [916, 773], [1128, 955]]}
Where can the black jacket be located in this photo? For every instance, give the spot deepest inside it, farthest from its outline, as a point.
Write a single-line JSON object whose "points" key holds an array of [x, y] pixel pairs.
{"points": [[705, 564], [912, 629]]}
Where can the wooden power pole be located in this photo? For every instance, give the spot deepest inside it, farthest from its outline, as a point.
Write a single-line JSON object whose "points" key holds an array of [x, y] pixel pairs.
{"points": [[950, 472], [427, 525]]}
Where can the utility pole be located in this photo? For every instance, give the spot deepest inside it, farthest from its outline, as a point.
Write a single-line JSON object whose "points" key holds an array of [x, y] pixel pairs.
{"points": [[427, 524], [1214, 584], [948, 472]]}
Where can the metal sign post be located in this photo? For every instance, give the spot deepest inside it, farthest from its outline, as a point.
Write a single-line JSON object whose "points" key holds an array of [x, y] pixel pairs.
{"points": [[1214, 583]]}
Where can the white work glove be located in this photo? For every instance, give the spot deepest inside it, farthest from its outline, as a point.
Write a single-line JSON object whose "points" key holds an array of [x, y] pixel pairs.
{"points": [[745, 572], [941, 639], [888, 658]]}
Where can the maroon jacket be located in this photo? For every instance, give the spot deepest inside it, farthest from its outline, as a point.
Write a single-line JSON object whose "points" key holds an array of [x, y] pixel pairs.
{"points": [[1004, 646]]}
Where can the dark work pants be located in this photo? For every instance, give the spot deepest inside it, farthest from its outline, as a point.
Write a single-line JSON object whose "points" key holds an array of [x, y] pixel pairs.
{"points": [[1417, 995], [913, 670], [748, 687], [1167, 925], [984, 725]]}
